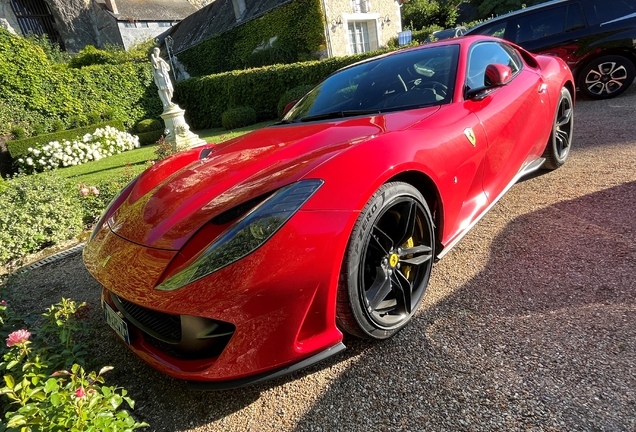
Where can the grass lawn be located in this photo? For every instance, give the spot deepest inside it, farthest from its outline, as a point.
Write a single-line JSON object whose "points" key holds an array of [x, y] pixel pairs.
{"points": [[136, 160]]}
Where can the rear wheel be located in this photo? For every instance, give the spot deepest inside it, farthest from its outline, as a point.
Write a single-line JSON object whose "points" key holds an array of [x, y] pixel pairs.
{"points": [[558, 146], [387, 264], [606, 77]]}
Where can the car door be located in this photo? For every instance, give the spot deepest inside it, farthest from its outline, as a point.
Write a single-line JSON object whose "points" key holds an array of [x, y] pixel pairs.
{"points": [[514, 116], [552, 31]]}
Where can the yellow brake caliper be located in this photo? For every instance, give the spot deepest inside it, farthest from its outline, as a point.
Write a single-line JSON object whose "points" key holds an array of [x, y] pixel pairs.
{"points": [[406, 270]]}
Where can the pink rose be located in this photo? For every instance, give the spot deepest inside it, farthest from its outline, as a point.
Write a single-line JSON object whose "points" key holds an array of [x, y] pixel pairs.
{"points": [[3, 303], [80, 393], [18, 336], [94, 190]]}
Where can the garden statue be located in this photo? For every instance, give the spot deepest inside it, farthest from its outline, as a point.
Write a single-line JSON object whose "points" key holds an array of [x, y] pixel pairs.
{"points": [[177, 131], [161, 70]]}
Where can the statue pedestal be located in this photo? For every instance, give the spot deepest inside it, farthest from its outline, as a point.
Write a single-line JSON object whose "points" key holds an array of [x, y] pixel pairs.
{"points": [[177, 131]]}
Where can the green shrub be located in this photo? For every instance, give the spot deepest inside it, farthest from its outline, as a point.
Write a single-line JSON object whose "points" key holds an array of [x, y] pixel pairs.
{"points": [[94, 118], [38, 129], [292, 95], [206, 98], [3, 185], [57, 126], [108, 114], [78, 121], [91, 56], [18, 148], [149, 125], [37, 211], [146, 138], [18, 132], [238, 117]]}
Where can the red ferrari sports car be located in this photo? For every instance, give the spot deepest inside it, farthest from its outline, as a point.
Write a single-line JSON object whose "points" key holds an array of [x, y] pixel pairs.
{"points": [[228, 264]]}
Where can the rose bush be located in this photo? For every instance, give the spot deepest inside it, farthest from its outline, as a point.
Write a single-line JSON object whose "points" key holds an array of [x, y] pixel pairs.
{"points": [[40, 392]]}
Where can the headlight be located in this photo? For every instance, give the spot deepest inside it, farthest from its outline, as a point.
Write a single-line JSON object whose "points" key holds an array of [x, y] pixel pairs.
{"points": [[247, 234]]}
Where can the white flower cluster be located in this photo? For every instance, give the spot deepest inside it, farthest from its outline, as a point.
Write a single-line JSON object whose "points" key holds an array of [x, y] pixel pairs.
{"points": [[102, 143]]}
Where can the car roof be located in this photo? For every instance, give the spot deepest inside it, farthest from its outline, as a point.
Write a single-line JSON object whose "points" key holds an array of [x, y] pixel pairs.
{"points": [[517, 12]]}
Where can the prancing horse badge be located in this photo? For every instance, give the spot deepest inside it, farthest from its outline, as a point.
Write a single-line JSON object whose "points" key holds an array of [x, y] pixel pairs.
{"points": [[470, 135]]}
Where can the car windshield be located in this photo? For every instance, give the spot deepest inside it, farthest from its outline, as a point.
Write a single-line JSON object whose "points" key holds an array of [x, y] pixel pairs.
{"points": [[406, 80]]}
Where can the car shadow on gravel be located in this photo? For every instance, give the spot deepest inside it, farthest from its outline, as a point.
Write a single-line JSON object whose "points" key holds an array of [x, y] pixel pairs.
{"points": [[543, 338]]}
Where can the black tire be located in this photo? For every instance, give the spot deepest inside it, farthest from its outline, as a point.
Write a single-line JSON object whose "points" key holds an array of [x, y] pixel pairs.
{"points": [[558, 147], [387, 264], [606, 77]]}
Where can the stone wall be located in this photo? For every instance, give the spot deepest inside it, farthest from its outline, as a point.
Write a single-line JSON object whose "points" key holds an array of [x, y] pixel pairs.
{"points": [[7, 18], [83, 22]]}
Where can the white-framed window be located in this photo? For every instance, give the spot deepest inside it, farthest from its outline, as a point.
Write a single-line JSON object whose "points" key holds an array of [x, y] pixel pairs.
{"points": [[358, 37], [361, 6]]}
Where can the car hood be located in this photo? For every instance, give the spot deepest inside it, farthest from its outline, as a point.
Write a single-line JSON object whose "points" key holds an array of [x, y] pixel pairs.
{"points": [[177, 196]]}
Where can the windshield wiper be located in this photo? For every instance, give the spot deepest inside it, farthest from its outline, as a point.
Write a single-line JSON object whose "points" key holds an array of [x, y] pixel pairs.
{"points": [[284, 121], [339, 114]]}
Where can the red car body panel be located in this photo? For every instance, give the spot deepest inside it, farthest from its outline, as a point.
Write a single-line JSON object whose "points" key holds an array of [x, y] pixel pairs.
{"points": [[281, 297]]}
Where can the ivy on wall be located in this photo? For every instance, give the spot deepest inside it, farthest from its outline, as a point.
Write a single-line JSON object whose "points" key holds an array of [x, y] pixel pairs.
{"points": [[35, 93], [298, 27]]}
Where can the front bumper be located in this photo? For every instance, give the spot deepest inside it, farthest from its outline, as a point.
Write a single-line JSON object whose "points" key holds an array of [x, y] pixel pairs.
{"points": [[279, 301]]}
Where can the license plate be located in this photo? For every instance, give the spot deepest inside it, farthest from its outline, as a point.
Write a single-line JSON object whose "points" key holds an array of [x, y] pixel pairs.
{"points": [[116, 323]]}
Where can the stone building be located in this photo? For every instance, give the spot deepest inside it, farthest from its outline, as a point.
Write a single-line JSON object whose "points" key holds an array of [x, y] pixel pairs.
{"points": [[351, 26], [77, 23]]}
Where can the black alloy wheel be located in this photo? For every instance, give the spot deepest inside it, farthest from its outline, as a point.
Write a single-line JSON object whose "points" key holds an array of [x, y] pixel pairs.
{"points": [[560, 142], [388, 263], [606, 77]]}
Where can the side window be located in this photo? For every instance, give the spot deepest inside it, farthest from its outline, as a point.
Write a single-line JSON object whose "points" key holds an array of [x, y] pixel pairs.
{"points": [[575, 19], [540, 24], [485, 53], [603, 11], [497, 29]]}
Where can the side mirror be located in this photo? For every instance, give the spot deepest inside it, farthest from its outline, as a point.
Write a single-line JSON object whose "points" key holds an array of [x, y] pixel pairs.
{"points": [[496, 75]]}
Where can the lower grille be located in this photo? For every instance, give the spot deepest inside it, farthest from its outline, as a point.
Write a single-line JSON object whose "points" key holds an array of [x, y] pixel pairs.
{"points": [[162, 326]]}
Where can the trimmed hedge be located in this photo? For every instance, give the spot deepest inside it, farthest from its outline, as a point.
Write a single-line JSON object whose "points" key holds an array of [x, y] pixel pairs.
{"points": [[297, 26], [151, 137], [21, 147], [149, 125], [205, 99], [238, 117], [37, 94]]}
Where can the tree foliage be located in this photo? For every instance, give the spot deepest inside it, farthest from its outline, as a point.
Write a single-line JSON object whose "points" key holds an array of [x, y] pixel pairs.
{"points": [[417, 14]]}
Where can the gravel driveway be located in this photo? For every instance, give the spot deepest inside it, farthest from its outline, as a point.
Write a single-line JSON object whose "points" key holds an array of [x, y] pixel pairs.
{"points": [[528, 324]]}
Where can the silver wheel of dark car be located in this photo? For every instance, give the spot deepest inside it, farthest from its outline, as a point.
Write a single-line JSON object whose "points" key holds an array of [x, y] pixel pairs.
{"points": [[388, 263], [558, 146], [606, 77]]}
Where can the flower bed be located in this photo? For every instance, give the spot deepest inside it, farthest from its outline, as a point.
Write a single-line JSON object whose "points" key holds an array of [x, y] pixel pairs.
{"points": [[102, 143]]}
